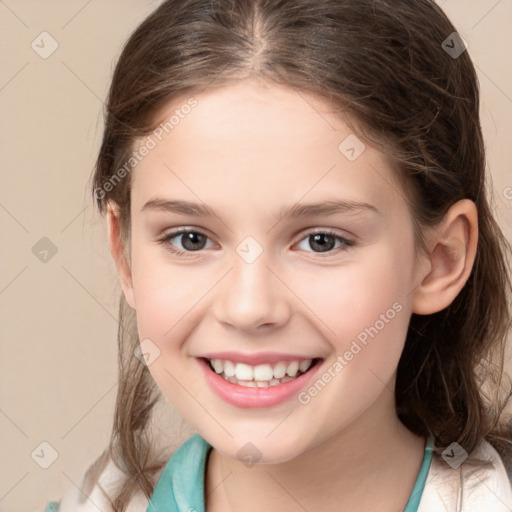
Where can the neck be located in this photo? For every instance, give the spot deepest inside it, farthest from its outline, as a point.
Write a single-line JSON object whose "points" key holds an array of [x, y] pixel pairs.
{"points": [[370, 465]]}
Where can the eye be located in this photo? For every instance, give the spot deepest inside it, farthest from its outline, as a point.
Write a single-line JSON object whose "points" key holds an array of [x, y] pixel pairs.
{"points": [[194, 241], [325, 242], [191, 241]]}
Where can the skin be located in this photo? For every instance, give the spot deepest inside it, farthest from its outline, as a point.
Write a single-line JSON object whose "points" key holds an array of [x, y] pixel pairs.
{"points": [[247, 150]]}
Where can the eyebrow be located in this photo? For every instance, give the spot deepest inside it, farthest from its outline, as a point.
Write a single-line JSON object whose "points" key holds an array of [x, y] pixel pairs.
{"points": [[328, 207]]}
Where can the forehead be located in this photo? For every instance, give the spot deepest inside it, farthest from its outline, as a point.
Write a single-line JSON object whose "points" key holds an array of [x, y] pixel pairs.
{"points": [[259, 144]]}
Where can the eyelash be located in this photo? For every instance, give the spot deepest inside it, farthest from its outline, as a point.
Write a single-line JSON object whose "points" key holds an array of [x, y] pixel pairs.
{"points": [[166, 241]]}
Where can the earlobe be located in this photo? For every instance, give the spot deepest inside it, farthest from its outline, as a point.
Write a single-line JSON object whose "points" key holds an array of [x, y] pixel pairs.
{"points": [[118, 253], [452, 246]]}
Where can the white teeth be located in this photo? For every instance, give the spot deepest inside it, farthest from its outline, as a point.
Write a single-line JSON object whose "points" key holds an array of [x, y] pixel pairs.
{"points": [[229, 368], [292, 369], [243, 372], [280, 370], [217, 365], [262, 375], [247, 383], [263, 372], [305, 365]]}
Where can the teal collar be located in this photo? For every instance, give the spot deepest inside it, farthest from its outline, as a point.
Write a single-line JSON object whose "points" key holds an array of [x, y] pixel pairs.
{"points": [[417, 490], [180, 487]]}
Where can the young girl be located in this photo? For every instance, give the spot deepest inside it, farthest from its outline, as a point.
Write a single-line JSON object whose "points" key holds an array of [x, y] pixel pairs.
{"points": [[311, 273]]}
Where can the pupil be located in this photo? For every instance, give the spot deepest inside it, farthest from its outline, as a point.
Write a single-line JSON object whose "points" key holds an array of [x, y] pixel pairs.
{"points": [[320, 238], [191, 239]]}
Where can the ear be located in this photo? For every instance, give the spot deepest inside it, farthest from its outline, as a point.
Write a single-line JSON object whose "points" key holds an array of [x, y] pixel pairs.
{"points": [[444, 271], [118, 253]]}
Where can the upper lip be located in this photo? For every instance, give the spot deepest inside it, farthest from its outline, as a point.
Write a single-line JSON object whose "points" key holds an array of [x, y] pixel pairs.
{"points": [[255, 359]]}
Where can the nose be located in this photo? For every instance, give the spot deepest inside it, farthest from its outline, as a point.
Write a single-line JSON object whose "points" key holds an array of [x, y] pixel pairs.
{"points": [[252, 296]]}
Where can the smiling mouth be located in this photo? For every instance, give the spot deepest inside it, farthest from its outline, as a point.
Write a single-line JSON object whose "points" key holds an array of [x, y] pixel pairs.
{"points": [[262, 375]]}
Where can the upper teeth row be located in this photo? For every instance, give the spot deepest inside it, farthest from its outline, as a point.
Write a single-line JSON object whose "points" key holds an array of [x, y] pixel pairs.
{"points": [[261, 372]]}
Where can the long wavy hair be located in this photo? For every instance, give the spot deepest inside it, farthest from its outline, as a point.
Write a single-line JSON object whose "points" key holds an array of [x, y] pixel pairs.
{"points": [[385, 66]]}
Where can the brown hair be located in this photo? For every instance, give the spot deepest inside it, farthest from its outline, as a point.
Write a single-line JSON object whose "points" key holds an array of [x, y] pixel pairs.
{"points": [[383, 64]]}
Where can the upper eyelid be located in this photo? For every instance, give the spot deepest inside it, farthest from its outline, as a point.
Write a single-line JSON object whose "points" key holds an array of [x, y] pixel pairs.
{"points": [[183, 231]]}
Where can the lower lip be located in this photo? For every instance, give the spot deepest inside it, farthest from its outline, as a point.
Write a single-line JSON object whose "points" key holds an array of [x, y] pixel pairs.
{"points": [[248, 397]]}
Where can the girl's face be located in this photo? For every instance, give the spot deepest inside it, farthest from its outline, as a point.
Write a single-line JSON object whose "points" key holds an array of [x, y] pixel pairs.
{"points": [[267, 275]]}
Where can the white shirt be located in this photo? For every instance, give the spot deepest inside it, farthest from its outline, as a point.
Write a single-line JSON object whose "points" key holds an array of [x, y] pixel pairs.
{"points": [[464, 489]]}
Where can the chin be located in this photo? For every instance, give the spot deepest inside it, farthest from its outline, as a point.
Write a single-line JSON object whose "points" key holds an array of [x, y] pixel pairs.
{"points": [[257, 448]]}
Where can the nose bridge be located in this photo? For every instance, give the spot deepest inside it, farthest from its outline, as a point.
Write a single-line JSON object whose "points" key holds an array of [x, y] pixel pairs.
{"points": [[251, 294]]}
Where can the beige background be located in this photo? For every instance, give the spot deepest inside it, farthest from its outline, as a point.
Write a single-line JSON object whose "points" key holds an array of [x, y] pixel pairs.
{"points": [[58, 318]]}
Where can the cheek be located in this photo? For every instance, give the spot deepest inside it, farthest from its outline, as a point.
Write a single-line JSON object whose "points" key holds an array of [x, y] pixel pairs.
{"points": [[167, 298], [164, 297], [364, 307], [366, 310], [357, 293], [164, 292]]}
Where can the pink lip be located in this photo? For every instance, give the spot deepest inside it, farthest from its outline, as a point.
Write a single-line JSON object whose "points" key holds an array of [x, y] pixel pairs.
{"points": [[248, 398], [255, 359]]}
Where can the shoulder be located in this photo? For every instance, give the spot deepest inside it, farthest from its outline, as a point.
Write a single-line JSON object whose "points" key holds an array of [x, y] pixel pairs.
{"points": [[100, 498], [479, 483], [52, 506], [113, 478]]}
